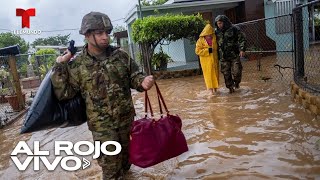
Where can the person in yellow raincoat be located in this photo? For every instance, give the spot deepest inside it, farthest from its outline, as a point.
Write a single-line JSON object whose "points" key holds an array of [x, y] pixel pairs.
{"points": [[207, 50]]}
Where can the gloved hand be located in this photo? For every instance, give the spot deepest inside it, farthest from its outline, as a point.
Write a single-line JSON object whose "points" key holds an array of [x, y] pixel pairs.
{"points": [[71, 48], [210, 50], [68, 54]]}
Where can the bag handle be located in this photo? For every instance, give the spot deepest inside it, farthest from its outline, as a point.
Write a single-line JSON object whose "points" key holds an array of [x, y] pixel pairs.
{"points": [[161, 99], [159, 102], [146, 103]]}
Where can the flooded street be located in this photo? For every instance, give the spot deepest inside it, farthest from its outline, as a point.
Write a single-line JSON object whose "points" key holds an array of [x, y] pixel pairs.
{"points": [[256, 133]]}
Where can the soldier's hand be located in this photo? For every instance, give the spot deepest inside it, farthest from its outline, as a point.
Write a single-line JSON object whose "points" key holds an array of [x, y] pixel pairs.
{"points": [[65, 57], [242, 54], [72, 48], [147, 83]]}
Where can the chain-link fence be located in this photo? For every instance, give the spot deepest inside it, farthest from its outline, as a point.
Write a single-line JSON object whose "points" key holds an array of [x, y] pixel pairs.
{"points": [[6, 87], [30, 69], [181, 53], [31, 65], [307, 46], [269, 54], [282, 48]]}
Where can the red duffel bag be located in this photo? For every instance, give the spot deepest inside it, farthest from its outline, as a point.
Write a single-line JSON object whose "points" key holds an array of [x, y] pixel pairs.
{"points": [[154, 141]]}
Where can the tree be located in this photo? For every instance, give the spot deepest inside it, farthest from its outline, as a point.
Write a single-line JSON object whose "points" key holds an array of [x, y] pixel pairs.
{"points": [[316, 21], [46, 59], [9, 39], [58, 40], [152, 2], [152, 30], [316, 17], [46, 52]]}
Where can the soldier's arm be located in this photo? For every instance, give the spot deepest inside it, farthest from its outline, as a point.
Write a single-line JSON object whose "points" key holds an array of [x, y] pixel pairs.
{"points": [[136, 76], [242, 41], [64, 80]]}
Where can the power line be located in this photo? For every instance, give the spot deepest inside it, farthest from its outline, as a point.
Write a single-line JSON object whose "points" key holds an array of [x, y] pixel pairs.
{"points": [[5, 30], [57, 30], [61, 30], [45, 30], [118, 19]]}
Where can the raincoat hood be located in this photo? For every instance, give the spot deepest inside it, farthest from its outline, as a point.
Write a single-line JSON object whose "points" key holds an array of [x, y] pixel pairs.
{"points": [[208, 30], [226, 22]]}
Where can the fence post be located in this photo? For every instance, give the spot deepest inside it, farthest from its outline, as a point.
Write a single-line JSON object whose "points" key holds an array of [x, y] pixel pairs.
{"points": [[299, 43], [37, 63], [16, 81], [45, 63]]}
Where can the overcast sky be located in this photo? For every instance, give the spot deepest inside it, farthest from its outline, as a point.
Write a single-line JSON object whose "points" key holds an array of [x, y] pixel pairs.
{"points": [[61, 14]]}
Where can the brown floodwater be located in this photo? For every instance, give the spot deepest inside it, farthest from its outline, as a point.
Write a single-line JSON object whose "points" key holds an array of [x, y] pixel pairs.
{"points": [[256, 133]]}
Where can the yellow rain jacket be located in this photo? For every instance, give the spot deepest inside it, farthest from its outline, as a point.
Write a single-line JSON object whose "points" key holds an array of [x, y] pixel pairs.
{"points": [[209, 61]]}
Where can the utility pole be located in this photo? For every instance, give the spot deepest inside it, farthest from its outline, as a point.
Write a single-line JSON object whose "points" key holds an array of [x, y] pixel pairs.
{"points": [[140, 12]]}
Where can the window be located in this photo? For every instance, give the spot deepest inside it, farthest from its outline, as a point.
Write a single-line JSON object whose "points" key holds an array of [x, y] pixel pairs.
{"points": [[124, 42]]}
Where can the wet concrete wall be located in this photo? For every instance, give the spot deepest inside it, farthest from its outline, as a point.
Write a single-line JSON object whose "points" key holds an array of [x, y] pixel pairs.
{"points": [[310, 102]]}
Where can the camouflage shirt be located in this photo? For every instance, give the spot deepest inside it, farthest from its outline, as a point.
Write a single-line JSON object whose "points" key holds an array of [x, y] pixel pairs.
{"points": [[230, 39], [104, 85]]}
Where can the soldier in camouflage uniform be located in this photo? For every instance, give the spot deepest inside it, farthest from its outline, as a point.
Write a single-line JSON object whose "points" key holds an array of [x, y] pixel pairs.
{"points": [[103, 75], [232, 46]]}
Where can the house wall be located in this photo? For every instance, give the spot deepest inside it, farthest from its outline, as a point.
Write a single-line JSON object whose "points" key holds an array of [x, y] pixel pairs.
{"points": [[190, 50], [182, 50], [310, 102], [175, 50], [254, 9], [284, 42], [132, 49], [250, 10], [129, 29], [246, 11], [217, 12]]}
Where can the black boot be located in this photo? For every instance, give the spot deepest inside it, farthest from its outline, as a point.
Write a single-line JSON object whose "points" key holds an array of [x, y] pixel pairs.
{"points": [[237, 86], [231, 90]]}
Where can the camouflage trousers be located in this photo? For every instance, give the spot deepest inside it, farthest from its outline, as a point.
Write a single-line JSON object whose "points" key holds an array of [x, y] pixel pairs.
{"points": [[232, 72], [114, 167]]}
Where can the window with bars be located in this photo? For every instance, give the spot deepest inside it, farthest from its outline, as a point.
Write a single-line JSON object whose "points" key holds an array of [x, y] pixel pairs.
{"points": [[284, 23]]}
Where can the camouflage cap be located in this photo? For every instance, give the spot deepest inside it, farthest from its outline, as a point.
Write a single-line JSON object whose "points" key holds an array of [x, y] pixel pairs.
{"points": [[95, 21]]}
